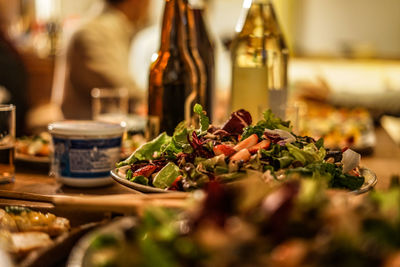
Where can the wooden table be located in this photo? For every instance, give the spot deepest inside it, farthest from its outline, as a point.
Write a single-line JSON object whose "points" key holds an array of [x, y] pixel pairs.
{"points": [[33, 178], [385, 161]]}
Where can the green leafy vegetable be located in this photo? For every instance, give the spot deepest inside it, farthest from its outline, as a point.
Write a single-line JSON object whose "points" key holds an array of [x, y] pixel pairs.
{"points": [[179, 142], [166, 176], [270, 122], [328, 172], [210, 164], [16, 209], [348, 181], [250, 130], [204, 120], [146, 151], [129, 174], [308, 154], [140, 179], [320, 143]]}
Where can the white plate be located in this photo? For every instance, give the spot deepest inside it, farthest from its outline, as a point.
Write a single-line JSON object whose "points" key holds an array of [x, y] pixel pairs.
{"points": [[29, 158], [369, 183], [116, 228]]}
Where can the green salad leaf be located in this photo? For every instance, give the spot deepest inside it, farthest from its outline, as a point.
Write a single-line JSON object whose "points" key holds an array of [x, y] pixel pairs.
{"points": [[204, 120], [307, 154], [166, 176], [179, 142], [270, 121], [347, 181], [328, 172], [250, 130], [147, 150], [140, 179]]}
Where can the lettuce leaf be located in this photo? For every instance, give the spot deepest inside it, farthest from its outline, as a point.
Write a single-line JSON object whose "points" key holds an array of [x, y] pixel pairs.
{"points": [[204, 120], [166, 176], [330, 173], [308, 154], [147, 150], [179, 142], [270, 121]]}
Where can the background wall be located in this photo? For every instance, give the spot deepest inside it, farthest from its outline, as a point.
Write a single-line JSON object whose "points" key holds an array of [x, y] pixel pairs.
{"points": [[362, 28]]}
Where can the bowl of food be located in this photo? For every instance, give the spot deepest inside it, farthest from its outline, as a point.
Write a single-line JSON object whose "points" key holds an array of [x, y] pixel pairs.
{"points": [[193, 157]]}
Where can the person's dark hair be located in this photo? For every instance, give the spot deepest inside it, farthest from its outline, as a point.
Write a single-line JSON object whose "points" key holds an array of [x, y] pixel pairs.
{"points": [[114, 2]]}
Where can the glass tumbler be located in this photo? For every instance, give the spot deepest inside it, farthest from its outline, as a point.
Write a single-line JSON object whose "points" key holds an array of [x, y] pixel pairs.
{"points": [[7, 143], [110, 104]]}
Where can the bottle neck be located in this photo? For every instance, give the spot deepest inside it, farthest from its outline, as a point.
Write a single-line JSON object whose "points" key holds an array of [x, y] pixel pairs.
{"points": [[169, 32], [175, 21], [258, 18]]}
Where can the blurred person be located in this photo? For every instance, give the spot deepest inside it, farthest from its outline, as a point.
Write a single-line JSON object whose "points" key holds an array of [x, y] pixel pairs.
{"points": [[98, 55], [13, 74]]}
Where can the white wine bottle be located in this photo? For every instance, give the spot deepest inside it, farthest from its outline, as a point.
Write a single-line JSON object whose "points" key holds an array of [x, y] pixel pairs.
{"points": [[259, 61]]}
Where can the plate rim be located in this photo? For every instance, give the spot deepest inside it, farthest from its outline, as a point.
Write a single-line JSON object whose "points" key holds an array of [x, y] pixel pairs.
{"points": [[78, 252], [372, 181], [138, 187], [30, 158]]}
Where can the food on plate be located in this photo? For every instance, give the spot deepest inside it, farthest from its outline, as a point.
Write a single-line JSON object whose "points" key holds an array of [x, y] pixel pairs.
{"points": [[340, 127], [37, 145], [23, 230], [294, 223], [28, 220], [25, 242], [191, 158], [41, 145]]}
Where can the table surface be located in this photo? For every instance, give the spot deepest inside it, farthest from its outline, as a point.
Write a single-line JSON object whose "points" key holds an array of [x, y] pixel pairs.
{"points": [[34, 178]]}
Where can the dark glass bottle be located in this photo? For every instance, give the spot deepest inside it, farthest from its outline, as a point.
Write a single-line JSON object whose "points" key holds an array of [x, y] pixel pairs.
{"points": [[206, 49], [174, 80]]}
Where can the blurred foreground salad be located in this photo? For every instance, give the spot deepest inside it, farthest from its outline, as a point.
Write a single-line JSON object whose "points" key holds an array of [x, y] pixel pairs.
{"points": [[191, 158], [294, 223]]}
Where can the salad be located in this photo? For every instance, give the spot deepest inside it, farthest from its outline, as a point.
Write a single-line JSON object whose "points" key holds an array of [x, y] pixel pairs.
{"points": [[193, 157], [294, 223]]}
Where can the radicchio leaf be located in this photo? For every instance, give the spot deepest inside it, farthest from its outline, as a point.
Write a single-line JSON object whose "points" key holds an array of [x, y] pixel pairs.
{"points": [[280, 137], [237, 122], [217, 131], [198, 147]]}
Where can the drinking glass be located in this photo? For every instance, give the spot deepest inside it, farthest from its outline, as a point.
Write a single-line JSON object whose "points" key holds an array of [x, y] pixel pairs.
{"points": [[110, 104], [7, 143]]}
